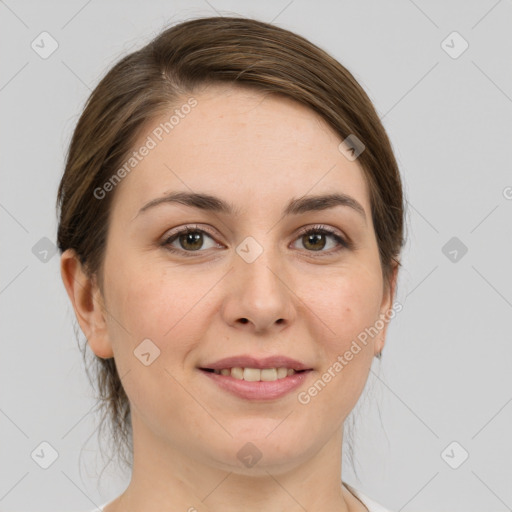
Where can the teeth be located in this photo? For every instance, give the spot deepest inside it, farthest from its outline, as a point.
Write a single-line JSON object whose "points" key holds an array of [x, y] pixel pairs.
{"points": [[237, 373], [252, 374], [255, 374], [268, 374], [282, 373]]}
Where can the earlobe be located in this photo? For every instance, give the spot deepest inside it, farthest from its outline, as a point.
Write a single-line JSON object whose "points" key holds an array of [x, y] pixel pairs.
{"points": [[86, 299]]}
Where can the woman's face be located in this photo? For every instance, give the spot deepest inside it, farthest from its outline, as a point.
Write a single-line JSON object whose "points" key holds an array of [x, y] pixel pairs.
{"points": [[250, 285]]}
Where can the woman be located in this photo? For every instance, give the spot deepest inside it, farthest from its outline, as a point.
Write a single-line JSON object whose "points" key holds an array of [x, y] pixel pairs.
{"points": [[231, 218]]}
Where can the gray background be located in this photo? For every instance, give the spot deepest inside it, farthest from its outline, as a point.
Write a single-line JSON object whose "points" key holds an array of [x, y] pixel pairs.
{"points": [[446, 370]]}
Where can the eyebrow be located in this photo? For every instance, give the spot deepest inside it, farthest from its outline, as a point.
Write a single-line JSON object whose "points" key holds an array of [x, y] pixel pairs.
{"points": [[296, 206]]}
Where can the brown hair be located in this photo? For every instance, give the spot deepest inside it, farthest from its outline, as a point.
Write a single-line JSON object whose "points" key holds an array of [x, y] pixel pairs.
{"points": [[149, 82]]}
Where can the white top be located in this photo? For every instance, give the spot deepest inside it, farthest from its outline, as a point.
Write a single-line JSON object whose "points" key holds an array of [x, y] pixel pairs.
{"points": [[371, 505]]}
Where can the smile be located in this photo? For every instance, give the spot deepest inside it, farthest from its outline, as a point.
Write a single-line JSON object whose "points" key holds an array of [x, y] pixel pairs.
{"points": [[257, 384]]}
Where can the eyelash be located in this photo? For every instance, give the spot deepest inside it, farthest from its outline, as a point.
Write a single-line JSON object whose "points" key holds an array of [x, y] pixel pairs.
{"points": [[317, 229]]}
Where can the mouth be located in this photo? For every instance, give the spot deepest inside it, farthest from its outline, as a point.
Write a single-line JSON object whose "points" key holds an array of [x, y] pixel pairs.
{"points": [[256, 379]]}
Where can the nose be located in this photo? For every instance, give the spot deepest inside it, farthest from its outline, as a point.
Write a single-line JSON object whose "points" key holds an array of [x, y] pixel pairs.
{"points": [[259, 296]]}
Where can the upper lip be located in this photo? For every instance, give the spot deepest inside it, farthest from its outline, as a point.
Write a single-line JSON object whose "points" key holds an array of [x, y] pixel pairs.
{"points": [[246, 361]]}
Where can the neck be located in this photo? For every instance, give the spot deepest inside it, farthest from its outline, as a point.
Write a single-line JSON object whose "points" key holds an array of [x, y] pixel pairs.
{"points": [[165, 478]]}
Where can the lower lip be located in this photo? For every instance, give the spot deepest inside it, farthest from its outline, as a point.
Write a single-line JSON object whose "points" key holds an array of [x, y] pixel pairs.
{"points": [[259, 390]]}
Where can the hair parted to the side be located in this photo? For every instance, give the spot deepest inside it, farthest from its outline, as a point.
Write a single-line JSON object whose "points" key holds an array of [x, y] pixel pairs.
{"points": [[152, 81]]}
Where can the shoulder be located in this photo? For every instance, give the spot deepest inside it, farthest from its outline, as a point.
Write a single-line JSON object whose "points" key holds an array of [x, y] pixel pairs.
{"points": [[371, 505]]}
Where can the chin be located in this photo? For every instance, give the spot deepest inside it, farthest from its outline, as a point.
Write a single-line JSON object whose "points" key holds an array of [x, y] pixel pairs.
{"points": [[257, 454]]}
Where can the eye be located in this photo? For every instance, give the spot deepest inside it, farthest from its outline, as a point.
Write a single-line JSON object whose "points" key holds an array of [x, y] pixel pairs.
{"points": [[314, 239], [190, 239]]}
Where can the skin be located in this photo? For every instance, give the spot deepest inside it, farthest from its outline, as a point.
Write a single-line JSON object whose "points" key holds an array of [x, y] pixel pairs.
{"points": [[257, 152]]}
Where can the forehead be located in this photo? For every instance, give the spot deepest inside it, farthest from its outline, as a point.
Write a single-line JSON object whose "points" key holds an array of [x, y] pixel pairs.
{"points": [[241, 144]]}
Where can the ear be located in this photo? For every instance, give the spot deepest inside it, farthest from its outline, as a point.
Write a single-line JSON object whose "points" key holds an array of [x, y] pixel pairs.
{"points": [[387, 303], [88, 303]]}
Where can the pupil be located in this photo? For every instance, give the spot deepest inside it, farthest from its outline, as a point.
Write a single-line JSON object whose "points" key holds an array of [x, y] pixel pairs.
{"points": [[192, 238], [314, 237]]}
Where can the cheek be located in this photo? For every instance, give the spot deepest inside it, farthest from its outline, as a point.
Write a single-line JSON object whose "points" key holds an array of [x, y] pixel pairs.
{"points": [[348, 304], [151, 301]]}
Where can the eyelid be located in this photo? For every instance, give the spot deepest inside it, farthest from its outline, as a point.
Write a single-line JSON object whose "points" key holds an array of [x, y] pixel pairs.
{"points": [[322, 228]]}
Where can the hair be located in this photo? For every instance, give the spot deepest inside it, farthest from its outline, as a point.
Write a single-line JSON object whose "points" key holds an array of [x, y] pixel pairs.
{"points": [[147, 83]]}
